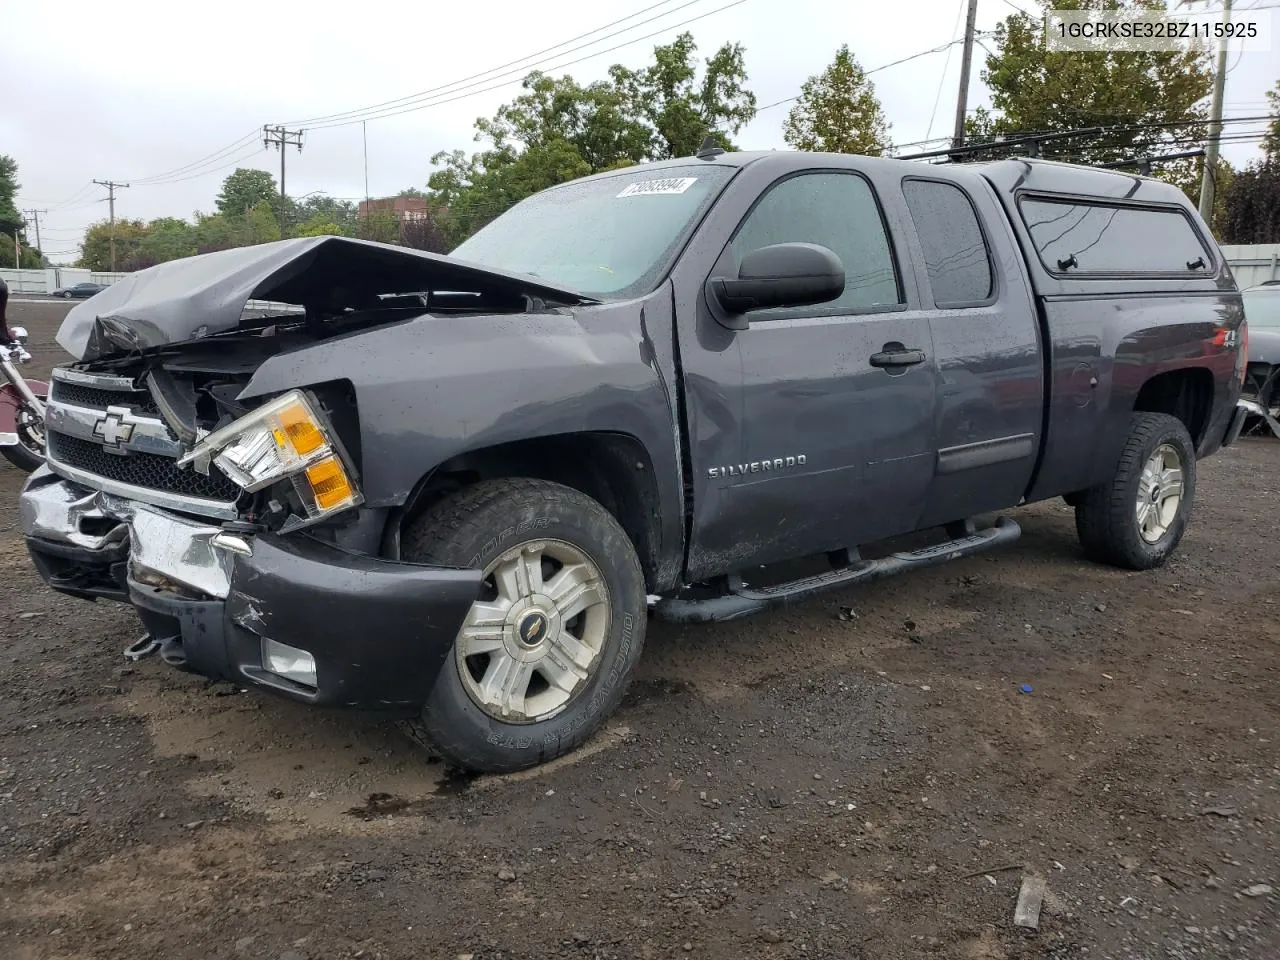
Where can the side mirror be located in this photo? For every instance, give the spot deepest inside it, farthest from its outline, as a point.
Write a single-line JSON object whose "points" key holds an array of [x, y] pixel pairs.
{"points": [[782, 275]]}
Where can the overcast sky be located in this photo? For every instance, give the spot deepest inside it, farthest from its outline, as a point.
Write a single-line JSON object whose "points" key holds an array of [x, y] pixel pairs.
{"points": [[149, 89]]}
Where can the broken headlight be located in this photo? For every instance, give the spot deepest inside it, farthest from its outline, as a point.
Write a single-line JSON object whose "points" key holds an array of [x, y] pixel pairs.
{"points": [[282, 440]]}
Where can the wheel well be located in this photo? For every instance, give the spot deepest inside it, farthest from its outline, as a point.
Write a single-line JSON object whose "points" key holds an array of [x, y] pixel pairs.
{"points": [[613, 469], [1185, 394]]}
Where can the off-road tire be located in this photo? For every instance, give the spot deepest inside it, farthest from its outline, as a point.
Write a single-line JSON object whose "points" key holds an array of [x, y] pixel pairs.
{"points": [[1106, 519], [470, 529]]}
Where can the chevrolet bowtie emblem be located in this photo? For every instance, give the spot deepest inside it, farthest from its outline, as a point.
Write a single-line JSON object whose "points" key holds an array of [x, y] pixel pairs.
{"points": [[113, 429]]}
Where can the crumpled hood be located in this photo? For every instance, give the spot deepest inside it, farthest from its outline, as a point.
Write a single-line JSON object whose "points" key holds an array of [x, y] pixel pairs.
{"points": [[202, 295]]}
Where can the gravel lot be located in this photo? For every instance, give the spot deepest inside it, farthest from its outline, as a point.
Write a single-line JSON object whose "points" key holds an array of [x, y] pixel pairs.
{"points": [[803, 784]]}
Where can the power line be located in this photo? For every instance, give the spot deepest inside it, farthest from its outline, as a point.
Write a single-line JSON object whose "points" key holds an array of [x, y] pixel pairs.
{"points": [[211, 158], [883, 66], [345, 114], [942, 80], [505, 83]]}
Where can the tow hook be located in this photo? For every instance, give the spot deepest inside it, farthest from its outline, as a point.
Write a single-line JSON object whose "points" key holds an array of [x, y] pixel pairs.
{"points": [[144, 647]]}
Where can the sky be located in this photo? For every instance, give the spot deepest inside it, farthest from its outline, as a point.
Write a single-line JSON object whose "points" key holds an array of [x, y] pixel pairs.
{"points": [[171, 97]]}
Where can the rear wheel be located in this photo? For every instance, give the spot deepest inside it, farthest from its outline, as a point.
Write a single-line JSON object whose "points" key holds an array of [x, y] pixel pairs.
{"points": [[545, 653], [1137, 519]]}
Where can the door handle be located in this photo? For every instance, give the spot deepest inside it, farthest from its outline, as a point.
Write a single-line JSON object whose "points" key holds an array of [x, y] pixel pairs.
{"points": [[897, 358]]}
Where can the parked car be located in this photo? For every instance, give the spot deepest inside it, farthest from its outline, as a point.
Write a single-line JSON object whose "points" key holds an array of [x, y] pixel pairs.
{"points": [[79, 291], [651, 382], [1261, 393]]}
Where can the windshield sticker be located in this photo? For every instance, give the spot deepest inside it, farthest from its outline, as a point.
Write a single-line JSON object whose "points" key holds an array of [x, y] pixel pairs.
{"points": [[645, 188]]}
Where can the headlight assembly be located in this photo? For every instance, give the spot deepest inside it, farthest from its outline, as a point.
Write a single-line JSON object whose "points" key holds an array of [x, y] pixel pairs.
{"points": [[281, 440]]}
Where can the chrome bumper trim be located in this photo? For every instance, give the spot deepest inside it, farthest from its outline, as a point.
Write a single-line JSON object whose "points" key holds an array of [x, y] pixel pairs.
{"points": [[175, 548], [158, 498]]}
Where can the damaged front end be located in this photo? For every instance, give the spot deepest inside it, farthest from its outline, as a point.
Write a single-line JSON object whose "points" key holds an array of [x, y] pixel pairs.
{"points": [[223, 518]]}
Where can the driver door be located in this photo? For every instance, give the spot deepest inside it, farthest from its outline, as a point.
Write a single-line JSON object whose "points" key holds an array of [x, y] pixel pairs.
{"points": [[806, 435]]}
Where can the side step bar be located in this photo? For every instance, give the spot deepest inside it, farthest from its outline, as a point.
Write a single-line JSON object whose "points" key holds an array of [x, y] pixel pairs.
{"points": [[745, 601]]}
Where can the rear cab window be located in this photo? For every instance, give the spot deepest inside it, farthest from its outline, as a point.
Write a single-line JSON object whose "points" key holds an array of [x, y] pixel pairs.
{"points": [[955, 250], [1076, 238]]}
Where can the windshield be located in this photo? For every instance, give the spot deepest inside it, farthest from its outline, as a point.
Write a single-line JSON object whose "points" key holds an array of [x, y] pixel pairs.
{"points": [[1262, 307], [608, 238]]}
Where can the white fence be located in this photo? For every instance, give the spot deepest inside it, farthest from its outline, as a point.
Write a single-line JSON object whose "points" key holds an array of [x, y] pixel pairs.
{"points": [[47, 281], [1253, 263]]}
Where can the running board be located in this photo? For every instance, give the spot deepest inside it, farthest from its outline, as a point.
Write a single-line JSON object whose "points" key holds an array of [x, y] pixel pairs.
{"points": [[745, 601]]}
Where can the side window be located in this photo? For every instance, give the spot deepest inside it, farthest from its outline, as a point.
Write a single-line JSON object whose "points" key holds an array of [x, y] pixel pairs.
{"points": [[838, 211], [1101, 238], [955, 252]]}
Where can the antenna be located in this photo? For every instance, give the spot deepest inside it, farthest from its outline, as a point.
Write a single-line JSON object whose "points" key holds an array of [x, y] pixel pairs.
{"points": [[709, 149]]}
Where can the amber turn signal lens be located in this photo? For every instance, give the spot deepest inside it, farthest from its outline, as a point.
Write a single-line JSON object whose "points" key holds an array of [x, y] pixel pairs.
{"points": [[329, 484], [301, 430]]}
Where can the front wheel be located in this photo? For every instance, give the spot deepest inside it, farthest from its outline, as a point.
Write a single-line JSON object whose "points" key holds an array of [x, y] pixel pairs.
{"points": [[545, 653], [28, 453], [1137, 519]]}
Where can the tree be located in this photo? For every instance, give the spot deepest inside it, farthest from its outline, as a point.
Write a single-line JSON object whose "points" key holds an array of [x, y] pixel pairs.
{"points": [[320, 208], [557, 130], [10, 218], [681, 110], [245, 189], [1271, 143], [95, 250], [838, 112], [1185, 174], [318, 226], [1252, 208], [260, 224], [1146, 99]]}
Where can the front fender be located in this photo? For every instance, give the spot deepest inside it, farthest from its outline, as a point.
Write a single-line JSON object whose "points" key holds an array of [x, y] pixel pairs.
{"points": [[441, 386], [11, 403]]}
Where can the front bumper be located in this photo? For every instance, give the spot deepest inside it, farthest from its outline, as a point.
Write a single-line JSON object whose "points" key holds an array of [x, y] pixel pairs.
{"points": [[378, 632]]}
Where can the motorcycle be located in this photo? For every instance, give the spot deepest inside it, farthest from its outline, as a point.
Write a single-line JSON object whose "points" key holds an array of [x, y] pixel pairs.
{"points": [[21, 407]]}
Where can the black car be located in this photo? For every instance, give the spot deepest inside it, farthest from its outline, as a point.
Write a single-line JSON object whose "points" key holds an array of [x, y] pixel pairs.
{"points": [[79, 291]]}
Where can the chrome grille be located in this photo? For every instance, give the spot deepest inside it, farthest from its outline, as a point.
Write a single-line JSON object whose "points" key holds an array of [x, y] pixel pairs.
{"points": [[141, 469], [85, 396], [104, 433]]}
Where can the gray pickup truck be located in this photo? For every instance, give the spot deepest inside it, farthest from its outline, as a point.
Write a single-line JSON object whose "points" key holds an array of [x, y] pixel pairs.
{"points": [[455, 488]]}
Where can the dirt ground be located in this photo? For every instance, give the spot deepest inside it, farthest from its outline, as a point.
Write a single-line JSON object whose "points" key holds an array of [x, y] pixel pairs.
{"points": [[802, 784]]}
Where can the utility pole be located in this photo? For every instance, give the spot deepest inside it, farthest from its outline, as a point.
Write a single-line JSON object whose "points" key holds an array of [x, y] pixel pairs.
{"points": [[112, 187], [1207, 177], [364, 127], [35, 218], [281, 138], [966, 62]]}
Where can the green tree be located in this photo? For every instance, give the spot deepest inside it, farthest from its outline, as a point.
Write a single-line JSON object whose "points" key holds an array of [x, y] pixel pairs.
{"points": [[1271, 143], [558, 129], [260, 224], [838, 112], [1147, 99], [1252, 208], [318, 226], [321, 208], [682, 110], [95, 250], [214, 231], [245, 189], [11, 222]]}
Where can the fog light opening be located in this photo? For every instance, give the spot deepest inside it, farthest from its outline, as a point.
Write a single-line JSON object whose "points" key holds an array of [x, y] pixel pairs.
{"points": [[289, 662]]}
